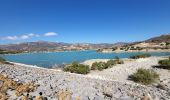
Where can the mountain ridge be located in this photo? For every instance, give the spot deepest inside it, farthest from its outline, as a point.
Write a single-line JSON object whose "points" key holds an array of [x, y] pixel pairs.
{"points": [[62, 46]]}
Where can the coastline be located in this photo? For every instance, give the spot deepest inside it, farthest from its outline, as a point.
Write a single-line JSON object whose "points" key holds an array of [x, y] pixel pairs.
{"points": [[86, 62], [33, 66], [142, 51], [47, 52]]}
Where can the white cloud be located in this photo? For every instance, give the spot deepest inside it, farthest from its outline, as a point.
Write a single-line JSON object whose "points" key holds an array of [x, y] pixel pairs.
{"points": [[23, 37], [50, 34], [27, 36], [10, 38], [33, 35]]}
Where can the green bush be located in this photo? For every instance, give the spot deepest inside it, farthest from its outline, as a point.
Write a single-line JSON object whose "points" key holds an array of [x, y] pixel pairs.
{"points": [[145, 76], [164, 63], [9, 52], [2, 60], [99, 66], [110, 63], [140, 56], [75, 67], [104, 65]]}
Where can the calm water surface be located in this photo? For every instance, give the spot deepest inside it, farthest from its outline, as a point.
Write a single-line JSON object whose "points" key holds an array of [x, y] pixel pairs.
{"points": [[49, 59]]}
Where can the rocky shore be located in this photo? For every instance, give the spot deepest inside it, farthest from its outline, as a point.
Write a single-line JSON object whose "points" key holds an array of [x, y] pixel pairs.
{"points": [[109, 84]]}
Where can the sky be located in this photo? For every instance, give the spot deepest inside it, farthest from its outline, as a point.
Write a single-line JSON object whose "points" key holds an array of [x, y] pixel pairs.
{"points": [[83, 21]]}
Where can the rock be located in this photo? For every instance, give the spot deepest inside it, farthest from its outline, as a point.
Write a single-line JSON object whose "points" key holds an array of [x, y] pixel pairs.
{"points": [[161, 86], [147, 97], [138, 99], [64, 95], [81, 86]]}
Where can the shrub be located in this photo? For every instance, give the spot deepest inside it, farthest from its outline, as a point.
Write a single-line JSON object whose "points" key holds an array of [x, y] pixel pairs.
{"points": [[75, 67], [118, 61], [2, 60], [164, 63], [99, 66], [110, 63], [145, 76], [140, 56], [102, 65]]}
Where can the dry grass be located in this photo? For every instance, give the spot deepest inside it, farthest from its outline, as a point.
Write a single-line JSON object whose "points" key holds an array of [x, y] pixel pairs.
{"points": [[64, 95], [13, 85]]}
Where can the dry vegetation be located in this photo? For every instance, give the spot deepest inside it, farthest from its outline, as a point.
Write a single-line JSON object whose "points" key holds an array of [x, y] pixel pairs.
{"points": [[19, 88]]}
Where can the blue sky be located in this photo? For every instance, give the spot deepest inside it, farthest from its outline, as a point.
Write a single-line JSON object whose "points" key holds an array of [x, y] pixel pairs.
{"points": [[92, 21]]}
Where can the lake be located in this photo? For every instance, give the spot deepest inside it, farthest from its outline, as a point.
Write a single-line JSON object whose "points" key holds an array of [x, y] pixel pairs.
{"points": [[47, 60]]}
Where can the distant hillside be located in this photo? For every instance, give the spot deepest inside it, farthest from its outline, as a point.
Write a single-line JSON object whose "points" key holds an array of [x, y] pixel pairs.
{"points": [[60, 46], [160, 43], [120, 44], [159, 39], [54, 46], [34, 46]]}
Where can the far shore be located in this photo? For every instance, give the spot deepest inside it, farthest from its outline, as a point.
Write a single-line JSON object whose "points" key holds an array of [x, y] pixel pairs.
{"points": [[44, 52], [145, 51], [104, 51]]}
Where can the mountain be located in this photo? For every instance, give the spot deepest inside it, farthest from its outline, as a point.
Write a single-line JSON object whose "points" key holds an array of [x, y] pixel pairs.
{"points": [[54, 46], [34, 46], [60, 46], [159, 39], [120, 44]]}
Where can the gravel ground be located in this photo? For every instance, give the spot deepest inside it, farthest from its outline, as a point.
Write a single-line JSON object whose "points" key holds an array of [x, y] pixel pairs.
{"points": [[110, 84], [122, 71]]}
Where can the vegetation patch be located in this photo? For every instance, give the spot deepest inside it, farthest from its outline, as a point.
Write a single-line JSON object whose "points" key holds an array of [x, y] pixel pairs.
{"points": [[2, 60], [99, 66], [9, 52], [145, 55], [104, 65], [19, 88], [145, 76], [165, 64], [75, 67], [110, 63]]}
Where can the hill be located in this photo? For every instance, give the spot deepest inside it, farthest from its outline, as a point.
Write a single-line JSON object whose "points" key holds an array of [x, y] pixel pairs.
{"points": [[159, 39], [54, 46], [156, 42], [159, 43]]}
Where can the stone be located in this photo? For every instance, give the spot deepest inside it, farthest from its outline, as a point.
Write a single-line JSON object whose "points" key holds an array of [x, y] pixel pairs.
{"points": [[147, 97]]}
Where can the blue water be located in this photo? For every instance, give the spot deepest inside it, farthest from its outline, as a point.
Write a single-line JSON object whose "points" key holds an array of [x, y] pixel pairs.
{"points": [[49, 59]]}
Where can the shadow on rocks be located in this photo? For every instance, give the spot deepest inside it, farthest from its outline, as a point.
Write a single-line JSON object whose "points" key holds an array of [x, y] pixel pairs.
{"points": [[161, 67]]}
